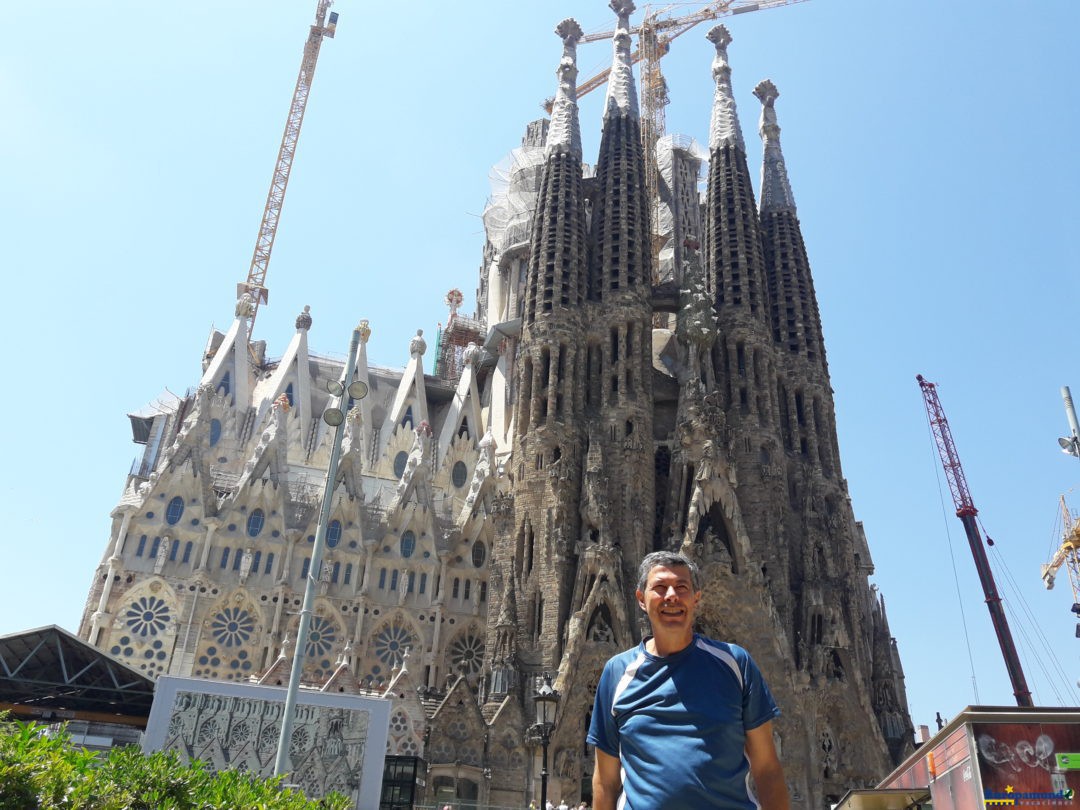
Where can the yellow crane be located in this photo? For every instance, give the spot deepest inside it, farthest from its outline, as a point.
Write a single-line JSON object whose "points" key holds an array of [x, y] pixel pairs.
{"points": [[658, 28], [1067, 556], [255, 286]]}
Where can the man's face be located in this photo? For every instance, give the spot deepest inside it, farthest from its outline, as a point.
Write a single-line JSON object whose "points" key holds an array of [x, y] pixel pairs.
{"points": [[669, 599]]}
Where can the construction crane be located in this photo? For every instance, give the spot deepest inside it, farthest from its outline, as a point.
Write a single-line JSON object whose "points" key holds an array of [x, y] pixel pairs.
{"points": [[1067, 557], [655, 35], [255, 286], [966, 511]]}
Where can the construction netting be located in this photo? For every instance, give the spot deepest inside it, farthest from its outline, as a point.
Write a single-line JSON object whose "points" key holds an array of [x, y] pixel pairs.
{"points": [[682, 165], [515, 184]]}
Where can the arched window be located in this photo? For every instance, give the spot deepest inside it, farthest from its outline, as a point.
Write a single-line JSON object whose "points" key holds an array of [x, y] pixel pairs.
{"points": [[408, 543], [333, 533], [174, 511], [255, 523], [457, 588], [423, 583], [215, 431], [400, 460], [154, 547], [225, 558], [407, 420], [174, 550], [382, 579], [289, 394], [479, 554], [225, 386], [255, 562], [348, 573], [142, 546], [337, 572], [237, 559], [393, 579], [459, 474], [468, 589], [188, 546], [269, 563], [305, 568]]}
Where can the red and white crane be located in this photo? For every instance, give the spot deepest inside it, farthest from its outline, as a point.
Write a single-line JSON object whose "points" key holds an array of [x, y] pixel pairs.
{"points": [[966, 511]]}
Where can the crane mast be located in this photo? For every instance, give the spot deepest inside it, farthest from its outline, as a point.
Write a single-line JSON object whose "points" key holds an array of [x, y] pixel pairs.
{"points": [[966, 511], [255, 286]]}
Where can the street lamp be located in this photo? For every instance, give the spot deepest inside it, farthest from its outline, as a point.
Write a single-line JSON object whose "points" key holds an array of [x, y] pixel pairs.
{"points": [[334, 416], [547, 704]]}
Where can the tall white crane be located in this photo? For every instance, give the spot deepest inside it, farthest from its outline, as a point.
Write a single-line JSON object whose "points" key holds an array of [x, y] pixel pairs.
{"points": [[255, 286]]}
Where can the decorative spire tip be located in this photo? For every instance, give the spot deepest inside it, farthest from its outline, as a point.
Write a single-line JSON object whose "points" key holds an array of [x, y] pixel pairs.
{"points": [[569, 30], [622, 7], [719, 36], [766, 92]]}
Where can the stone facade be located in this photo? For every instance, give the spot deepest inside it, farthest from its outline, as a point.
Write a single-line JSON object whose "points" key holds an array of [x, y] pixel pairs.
{"points": [[488, 518]]}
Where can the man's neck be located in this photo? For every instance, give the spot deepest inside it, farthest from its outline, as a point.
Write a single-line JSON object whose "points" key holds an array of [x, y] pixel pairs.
{"points": [[663, 647]]}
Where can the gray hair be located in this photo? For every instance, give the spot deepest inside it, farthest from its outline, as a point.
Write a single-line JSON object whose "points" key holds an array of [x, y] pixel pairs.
{"points": [[667, 559]]}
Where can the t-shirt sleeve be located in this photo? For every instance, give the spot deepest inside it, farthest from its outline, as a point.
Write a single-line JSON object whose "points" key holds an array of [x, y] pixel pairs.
{"points": [[758, 704], [603, 731]]}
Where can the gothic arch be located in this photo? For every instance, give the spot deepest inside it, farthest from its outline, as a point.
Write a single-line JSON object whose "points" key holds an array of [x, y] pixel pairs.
{"points": [[144, 629], [326, 640], [465, 652], [230, 645], [386, 645]]}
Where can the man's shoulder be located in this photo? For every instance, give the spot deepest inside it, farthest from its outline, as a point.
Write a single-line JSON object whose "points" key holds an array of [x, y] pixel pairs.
{"points": [[724, 650], [716, 644], [622, 660]]}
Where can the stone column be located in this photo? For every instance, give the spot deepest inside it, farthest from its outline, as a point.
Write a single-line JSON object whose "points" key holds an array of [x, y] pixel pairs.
{"points": [[211, 527]]}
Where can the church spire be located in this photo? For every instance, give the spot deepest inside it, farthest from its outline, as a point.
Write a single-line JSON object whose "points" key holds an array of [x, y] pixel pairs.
{"points": [[621, 258], [795, 320], [775, 189], [565, 132], [724, 127], [621, 95]]}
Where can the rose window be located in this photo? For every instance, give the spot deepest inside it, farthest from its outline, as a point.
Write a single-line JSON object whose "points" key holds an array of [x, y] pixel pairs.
{"points": [[148, 616], [239, 735], [232, 626], [301, 741], [467, 654], [268, 738], [399, 722], [321, 637], [391, 643], [207, 732]]}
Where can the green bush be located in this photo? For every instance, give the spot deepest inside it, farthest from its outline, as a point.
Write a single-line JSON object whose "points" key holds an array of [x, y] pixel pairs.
{"points": [[40, 771]]}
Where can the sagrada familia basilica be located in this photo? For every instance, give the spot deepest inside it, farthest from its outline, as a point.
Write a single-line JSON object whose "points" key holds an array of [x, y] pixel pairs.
{"points": [[636, 376]]}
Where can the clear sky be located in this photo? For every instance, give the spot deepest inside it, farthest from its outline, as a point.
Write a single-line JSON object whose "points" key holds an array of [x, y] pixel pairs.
{"points": [[930, 147]]}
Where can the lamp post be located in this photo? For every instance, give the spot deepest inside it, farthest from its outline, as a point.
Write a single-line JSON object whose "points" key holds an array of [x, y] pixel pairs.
{"points": [[334, 416], [547, 704]]}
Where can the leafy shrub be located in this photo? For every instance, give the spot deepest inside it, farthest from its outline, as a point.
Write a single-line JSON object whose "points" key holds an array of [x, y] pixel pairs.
{"points": [[45, 771]]}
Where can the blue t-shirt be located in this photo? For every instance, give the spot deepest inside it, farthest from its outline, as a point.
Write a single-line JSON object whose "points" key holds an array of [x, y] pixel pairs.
{"points": [[678, 725]]}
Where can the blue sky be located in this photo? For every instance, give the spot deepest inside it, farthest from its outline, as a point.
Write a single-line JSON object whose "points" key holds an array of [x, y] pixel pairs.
{"points": [[930, 149]]}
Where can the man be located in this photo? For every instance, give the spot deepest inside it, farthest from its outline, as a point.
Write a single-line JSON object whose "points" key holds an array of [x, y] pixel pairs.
{"points": [[681, 720]]}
